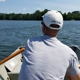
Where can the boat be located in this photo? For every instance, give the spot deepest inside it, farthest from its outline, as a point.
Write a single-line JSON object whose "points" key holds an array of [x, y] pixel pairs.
{"points": [[10, 66]]}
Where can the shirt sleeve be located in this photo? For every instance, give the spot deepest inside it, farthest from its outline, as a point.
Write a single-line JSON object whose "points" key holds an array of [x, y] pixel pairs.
{"points": [[73, 67]]}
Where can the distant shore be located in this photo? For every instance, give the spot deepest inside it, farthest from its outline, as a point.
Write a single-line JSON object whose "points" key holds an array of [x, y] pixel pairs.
{"points": [[37, 15]]}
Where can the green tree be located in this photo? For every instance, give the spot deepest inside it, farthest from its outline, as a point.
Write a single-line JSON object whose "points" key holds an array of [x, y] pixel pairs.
{"points": [[37, 15]]}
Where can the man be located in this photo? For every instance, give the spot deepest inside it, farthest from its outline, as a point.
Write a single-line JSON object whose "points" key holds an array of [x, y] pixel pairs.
{"points": [[45, 57]]}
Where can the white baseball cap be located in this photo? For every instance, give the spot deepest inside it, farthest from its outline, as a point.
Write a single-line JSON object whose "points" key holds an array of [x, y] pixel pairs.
{"points": [[53, 17]]}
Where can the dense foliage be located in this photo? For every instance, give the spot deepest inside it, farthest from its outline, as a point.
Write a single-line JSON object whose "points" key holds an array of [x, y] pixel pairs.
{"points": [[37, 15]]}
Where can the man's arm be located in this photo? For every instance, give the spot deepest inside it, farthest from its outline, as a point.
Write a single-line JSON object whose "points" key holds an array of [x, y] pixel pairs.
{"points": [[76, 77]]}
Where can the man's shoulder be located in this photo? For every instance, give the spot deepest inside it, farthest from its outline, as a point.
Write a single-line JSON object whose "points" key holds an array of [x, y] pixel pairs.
{"points": [[35, 39], [69, 50]]}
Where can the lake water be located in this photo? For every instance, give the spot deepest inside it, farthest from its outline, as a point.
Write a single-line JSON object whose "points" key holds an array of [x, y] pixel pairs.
{"points": [[15, 33]]}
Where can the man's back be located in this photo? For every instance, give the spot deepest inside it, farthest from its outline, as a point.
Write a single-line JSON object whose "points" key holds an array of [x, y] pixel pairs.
{"points": [[46, 58]]}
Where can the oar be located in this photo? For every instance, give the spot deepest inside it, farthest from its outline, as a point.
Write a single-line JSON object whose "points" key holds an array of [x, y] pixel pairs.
{"points": [[79, 66], [13, 55]]}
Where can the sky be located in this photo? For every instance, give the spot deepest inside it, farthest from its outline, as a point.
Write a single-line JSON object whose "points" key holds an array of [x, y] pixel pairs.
{"points": [[30, 6]]}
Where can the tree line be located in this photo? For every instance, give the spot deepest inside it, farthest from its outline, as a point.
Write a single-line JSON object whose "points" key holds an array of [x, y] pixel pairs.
{"points": [[37, 15]]}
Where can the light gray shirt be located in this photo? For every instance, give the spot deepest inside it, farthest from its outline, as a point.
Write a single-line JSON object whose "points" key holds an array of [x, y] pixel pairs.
{"points": [[46, 58]]}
